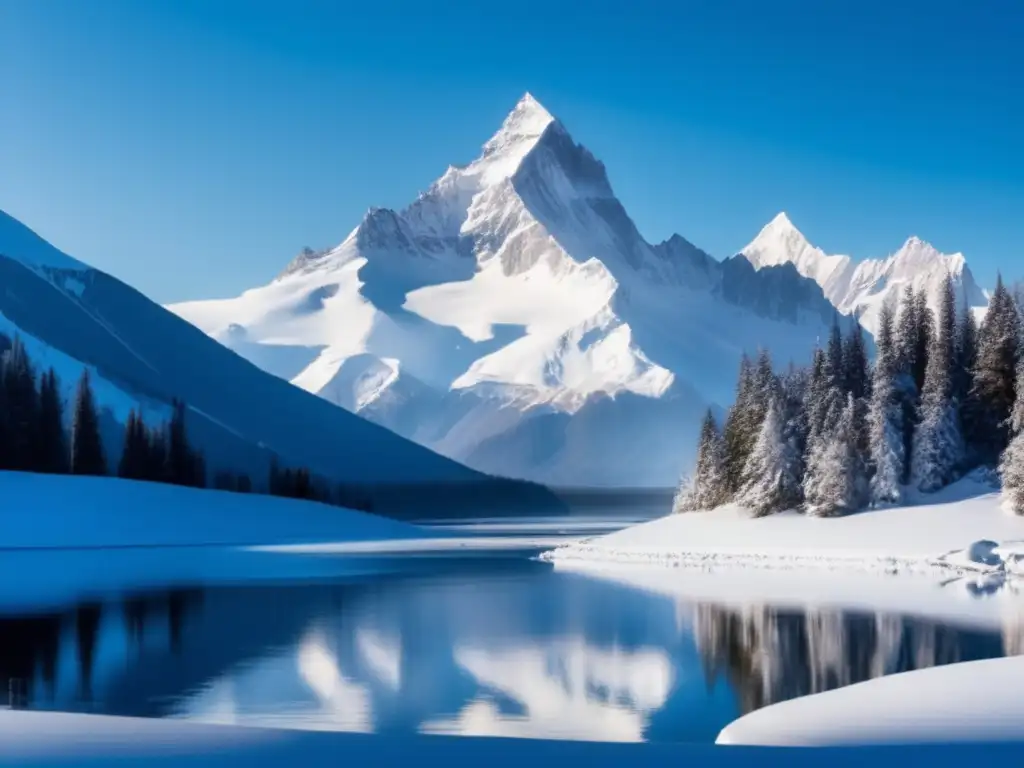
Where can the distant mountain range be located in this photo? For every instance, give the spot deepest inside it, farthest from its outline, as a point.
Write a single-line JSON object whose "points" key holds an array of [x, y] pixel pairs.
{"points": [[513, 318], [861, 288]]}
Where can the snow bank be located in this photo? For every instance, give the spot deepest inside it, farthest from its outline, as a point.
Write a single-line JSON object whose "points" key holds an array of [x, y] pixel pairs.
{"points": [[66, 511], [978, 701], [933, 536]]}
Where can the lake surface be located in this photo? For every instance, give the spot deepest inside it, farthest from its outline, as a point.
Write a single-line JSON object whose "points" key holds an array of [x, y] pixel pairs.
{"points": [[493, 644]]}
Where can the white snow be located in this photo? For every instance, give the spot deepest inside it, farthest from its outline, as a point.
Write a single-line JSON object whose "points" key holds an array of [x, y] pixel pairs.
{"points": [[780, 242], [938, 534], [861, 288], [974, 702]]}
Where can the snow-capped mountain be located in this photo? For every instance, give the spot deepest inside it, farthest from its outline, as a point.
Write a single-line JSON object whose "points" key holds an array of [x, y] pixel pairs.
{"points": [[512, 317], [71, 316], [861, 288]]}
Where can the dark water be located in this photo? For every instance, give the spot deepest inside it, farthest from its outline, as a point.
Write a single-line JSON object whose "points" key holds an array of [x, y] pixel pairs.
{"points": [[496, 646]]}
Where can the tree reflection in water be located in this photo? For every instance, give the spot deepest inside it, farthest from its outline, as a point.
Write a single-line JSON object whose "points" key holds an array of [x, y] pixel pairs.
{"points": [[770, 655]]}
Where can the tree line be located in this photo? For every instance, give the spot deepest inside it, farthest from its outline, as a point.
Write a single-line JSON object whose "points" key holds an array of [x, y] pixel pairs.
{"points": [[34, 438], [841, 434]]}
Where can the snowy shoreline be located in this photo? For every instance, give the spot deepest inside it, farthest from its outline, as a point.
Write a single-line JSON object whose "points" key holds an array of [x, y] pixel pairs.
{"points": [[960, 532]]}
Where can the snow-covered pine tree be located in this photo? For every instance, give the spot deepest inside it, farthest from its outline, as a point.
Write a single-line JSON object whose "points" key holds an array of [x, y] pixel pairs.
{"points": [[938, 445], [815, 402], [796, 385], [87, 457], [827, 381], [739, 433], [924, 330], [994, 392], [771, 479], [766, 384], [839, 477], [1011, 466], [966, 357], [855, 363], [53, 444], [709, 486], [826, 400], [906, 352], [885, 417]]}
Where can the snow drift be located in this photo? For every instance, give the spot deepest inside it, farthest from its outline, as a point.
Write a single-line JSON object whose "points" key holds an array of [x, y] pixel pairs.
{"points": [[970, 702]]}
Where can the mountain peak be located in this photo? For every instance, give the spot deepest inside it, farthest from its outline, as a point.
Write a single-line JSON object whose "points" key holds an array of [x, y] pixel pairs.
{"points": [[778, 241], [519, 133], [781, 221], [918, 254]]}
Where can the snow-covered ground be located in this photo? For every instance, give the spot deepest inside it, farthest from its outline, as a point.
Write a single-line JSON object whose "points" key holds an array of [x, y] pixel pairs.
{"points": [[978, 701], [54, 739], [961, 529], [66, 537], [77, 512]]}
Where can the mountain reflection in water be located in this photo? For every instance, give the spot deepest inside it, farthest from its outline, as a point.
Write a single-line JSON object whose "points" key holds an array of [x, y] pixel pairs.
{"points": [[498, 648]]}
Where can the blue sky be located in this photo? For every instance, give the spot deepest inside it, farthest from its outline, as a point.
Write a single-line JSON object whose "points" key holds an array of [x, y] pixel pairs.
{"points": [[191, 147]]}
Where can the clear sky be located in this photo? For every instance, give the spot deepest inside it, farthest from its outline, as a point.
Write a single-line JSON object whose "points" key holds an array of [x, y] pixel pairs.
{"points": [[192, 147]]}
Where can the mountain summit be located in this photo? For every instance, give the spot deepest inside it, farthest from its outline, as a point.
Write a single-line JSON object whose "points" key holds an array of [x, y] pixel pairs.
{"points": [[861, 288], [513, 316]]}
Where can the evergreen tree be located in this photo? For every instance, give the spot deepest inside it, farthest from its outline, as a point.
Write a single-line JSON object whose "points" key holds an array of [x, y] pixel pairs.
{"points": [[838, 479], [855, 364], [53, 445], [994, 392], [963, 377], [906, 331], [1011, 466], [815, 399], [771, 479], [885, 417], [709, 487], [795, 390], [179, 461], [22, 403], [87, 457], [739, 433], [906, 362], [924, 330], [938, 445], [135, 460]]}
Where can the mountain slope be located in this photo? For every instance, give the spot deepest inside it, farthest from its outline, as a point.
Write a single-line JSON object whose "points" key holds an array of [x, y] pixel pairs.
{"points": [[512, 317], [861, 288], [143, 354]]}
